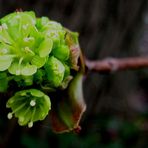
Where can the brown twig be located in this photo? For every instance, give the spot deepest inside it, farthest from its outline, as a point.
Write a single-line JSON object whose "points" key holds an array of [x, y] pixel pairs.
{"points": [[114, 64]]}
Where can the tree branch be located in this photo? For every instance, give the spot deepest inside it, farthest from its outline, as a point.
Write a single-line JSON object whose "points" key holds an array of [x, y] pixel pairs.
{"points": [[114, 64]]}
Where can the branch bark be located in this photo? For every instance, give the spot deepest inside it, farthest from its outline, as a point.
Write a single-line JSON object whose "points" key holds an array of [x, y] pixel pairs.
{"points": [[115, 64]]}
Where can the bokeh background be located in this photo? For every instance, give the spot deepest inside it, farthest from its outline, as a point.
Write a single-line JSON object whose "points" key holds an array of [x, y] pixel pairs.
{"points": [[117, 103]]}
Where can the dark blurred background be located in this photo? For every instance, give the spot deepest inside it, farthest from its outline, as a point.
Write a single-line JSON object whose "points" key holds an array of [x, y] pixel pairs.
{"points": [[117, 103]]}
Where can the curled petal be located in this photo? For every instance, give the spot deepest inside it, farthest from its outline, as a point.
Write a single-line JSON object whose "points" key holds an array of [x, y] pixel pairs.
{"points": [[71, 39], [66, 115]]}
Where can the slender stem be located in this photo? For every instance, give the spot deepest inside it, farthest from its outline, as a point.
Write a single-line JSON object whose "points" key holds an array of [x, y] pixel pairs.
{"points": [[114, 64]]}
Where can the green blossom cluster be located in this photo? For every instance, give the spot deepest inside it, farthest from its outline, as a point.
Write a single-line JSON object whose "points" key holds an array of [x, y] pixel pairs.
{"points": [[35, 53], [29, 106]]}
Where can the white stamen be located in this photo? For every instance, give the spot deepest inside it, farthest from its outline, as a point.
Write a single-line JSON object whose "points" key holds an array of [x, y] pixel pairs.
{"points": [[32, 103], [25, 26], [18, 72], [28, 39], [20, 61], [5, 26], [18, 16], [33, 22], [4, 50], [28, 50], [30, 124], [10, 115]]}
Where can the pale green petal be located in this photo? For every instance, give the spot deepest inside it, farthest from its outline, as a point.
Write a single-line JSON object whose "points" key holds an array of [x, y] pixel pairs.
{"points": [[5, 62], [28, 70], [4, 35], [45, 47], [15, 68], [38, 61], [42, 22], [36, 93], [8, 17]]}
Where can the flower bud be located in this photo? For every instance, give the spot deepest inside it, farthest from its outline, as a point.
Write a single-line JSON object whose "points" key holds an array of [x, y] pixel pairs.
{"points": [[55, 71], [62, 52]]}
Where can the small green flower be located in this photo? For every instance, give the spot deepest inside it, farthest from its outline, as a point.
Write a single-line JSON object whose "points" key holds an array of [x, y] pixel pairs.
{"points": [[29, 44], [41, 53], [29, 106], [23, 48]]}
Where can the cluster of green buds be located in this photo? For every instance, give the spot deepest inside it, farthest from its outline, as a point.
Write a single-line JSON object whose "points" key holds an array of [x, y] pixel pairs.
{"points": [[38, 56]]}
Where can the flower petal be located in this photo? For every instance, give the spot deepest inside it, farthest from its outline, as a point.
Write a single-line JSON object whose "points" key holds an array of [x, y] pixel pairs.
{"points": [[28, 70], [38, 61], [15, 68], [5, 62], [45, 47]]}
